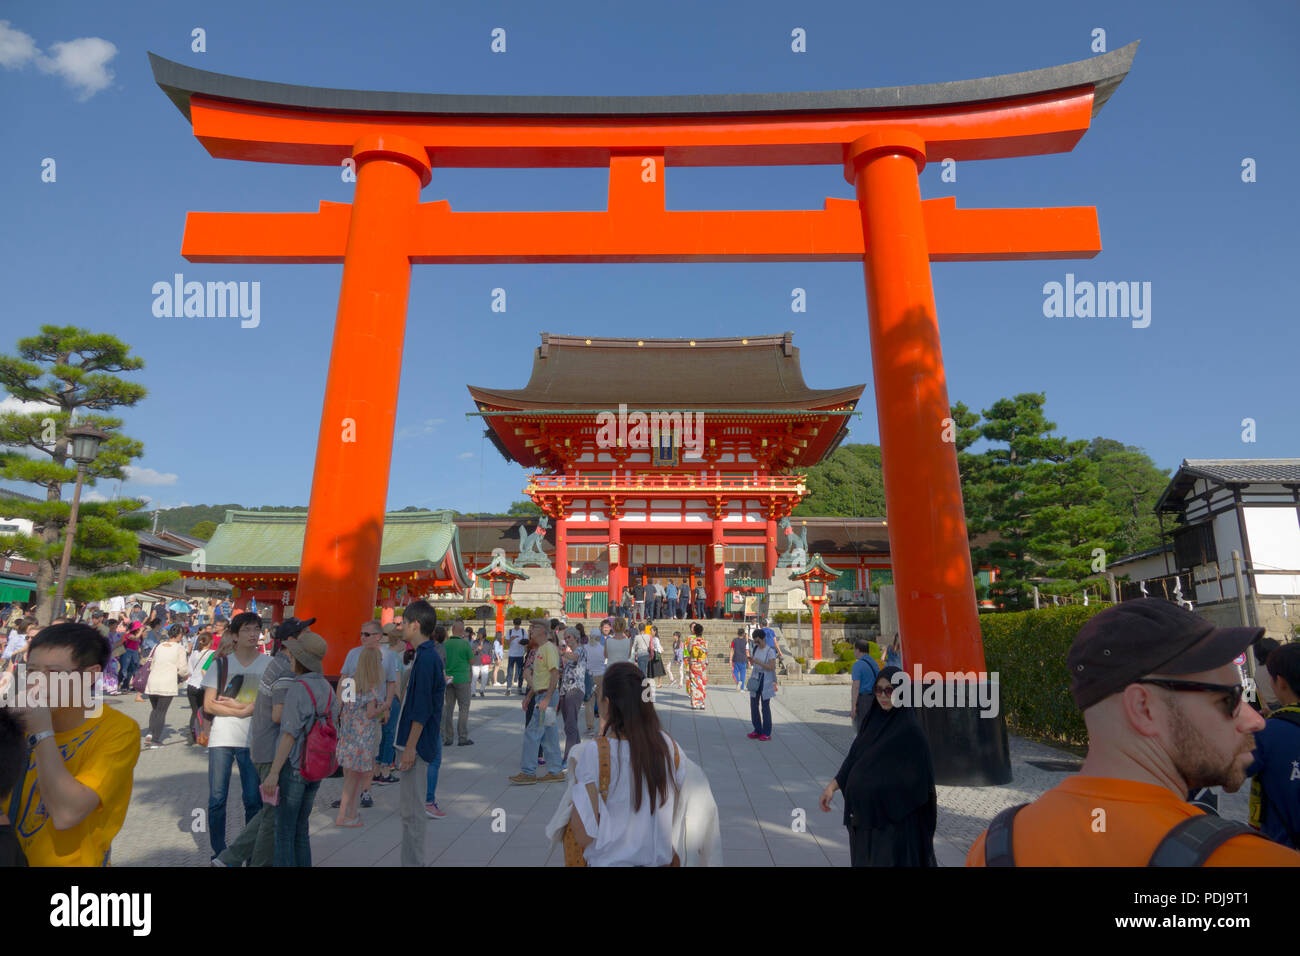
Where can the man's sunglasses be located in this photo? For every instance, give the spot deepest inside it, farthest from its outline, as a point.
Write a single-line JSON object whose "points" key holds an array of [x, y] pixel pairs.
{"points": [[1232, 693]]}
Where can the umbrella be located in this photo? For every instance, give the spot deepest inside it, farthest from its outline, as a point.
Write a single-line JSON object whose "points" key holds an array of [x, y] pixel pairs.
{"points": [[179, 605]]}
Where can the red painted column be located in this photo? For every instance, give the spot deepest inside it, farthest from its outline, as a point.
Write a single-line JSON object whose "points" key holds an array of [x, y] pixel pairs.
{"points": [[769, 548], [562, 556], [817, 629], [340, 555], [717, 572], [617, 572], [927, 524]]}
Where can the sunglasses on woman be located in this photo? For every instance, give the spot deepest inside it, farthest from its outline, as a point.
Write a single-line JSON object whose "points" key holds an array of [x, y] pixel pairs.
{"points": [[1231, 694]]}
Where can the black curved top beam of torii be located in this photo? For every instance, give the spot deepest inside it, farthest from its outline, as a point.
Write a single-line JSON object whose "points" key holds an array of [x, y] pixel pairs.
{"points": [[1104, 73]]}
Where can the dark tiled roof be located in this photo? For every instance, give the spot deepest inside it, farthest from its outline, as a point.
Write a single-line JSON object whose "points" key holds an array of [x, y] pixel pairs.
{"points": [[571, 371], [1227, 471], [481, 535], [843, 535], [18, 495], [1245, 469]]}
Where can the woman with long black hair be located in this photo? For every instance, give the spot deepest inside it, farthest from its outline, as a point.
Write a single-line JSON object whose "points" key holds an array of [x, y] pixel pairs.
{"points": [[623, 815], [890, 804]]}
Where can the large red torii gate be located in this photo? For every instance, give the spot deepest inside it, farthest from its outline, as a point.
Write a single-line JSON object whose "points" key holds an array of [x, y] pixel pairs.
{"points": [[882, 139]]}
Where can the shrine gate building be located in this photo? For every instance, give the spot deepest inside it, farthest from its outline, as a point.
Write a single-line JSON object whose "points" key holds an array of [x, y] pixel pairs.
{"points": [[689, 504]]}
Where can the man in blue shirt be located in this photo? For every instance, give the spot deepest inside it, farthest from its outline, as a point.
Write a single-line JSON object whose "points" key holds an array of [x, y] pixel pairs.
{"points": [[670, 596], [1275, 791], [418, 735], [864, 674]]}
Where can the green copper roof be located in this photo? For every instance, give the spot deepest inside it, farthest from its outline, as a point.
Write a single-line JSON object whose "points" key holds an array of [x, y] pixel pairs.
{"points": [[815, 562], [271, 541]]}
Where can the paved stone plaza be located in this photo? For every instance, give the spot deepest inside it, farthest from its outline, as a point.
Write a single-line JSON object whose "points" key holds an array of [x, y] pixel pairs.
{"points": [[758, 787]]}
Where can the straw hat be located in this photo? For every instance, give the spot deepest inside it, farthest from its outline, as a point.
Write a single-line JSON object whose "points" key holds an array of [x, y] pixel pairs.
{"points": [[308, 649]]}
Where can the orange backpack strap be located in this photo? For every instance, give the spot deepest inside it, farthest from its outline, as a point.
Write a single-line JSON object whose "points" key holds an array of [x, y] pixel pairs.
{"points": [[677, 756], [602, 749]]}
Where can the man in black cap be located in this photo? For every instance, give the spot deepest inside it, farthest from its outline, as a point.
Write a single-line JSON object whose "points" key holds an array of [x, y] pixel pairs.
{"points": [[255, 845], [1162, 700]]}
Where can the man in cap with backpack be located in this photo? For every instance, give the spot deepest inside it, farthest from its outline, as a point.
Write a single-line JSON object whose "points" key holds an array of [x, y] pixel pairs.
{"points": [[255, 846], [304, 756], [1162, 700]]}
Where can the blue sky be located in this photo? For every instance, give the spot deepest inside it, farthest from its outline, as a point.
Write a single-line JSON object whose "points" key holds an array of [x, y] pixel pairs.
{"points": [[233, 413]]}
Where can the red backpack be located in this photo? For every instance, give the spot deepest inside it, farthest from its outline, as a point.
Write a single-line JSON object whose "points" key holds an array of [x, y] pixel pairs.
{"points": [[319, 746]]}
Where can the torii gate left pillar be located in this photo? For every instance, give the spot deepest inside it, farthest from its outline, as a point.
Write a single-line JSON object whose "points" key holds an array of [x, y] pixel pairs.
{"points": [[355, 447]]}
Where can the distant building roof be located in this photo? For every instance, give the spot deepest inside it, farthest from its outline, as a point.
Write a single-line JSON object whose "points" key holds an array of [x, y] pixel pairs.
{"points": [[1227, 471], [10, 493], [1140, 555], [843, 535], [264, 542]]}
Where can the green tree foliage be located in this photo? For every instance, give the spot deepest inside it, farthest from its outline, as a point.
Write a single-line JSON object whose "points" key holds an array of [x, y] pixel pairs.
{"points": [[1038, 494], [1133, 485], [71, 373], [523, 508], [847, 483], [204, 530]]}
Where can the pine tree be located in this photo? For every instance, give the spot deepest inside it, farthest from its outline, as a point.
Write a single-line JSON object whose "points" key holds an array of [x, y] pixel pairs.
{"points": [[71, 371], [1038, 493]]}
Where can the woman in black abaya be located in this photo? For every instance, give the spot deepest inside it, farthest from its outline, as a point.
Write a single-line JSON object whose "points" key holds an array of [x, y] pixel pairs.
{"points": [[890, 805]]}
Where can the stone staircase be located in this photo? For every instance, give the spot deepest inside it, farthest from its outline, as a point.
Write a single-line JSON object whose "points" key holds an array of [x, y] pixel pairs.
{"points": [[719, 635]]}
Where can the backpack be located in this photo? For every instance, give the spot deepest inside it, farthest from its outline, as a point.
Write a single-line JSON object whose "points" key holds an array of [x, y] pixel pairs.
{"points": [[1190, 843], [322, 739]]}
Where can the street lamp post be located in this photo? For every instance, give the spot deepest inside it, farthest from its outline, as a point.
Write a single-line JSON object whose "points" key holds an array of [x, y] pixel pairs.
{"points": [[85, 446]]}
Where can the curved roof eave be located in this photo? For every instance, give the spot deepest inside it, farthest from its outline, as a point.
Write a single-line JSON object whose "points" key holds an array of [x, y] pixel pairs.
{"points": [[1104, 73]]}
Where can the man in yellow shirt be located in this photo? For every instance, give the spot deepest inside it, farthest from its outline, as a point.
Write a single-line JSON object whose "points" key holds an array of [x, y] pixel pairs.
{"points": [[542, 727], [77, 786]]}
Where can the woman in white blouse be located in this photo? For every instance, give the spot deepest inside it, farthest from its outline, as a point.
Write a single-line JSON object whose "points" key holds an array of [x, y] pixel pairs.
{"points": [[633, 826]]}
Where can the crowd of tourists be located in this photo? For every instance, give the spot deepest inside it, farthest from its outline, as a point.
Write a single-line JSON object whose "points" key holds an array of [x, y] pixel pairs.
{"points": [[1167, 718]]}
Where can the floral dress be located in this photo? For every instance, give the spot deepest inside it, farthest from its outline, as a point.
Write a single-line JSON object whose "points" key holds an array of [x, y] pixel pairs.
{"points": [[697, 670], [359, 737]]}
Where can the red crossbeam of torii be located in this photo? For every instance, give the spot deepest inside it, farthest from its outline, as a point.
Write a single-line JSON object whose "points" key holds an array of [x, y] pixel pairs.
{"points": [[881, 138]]}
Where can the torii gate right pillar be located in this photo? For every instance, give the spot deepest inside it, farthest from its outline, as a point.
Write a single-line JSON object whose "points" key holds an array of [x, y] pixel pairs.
{"points": [[933, 581]]}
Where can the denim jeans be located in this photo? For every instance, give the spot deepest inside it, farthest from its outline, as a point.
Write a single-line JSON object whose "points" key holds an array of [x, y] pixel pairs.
{"points": [[548, 737], [387, 755], [130, 663], [699, 609], [738, 671], [256, 845], [764, 725], [220, 760], [292, 838], [431, 776], [515, 666]]}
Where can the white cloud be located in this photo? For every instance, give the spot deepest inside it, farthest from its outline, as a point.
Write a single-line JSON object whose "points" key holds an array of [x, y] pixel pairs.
{"points": [[11, 404], [83, 62], [90, 494], [17, 49], [465, 454], [147, 476], [426, 427]]}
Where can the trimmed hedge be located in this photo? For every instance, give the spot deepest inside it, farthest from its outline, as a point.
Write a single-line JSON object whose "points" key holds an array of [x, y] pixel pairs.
{"points": [[1027, 650], [829, 617]]}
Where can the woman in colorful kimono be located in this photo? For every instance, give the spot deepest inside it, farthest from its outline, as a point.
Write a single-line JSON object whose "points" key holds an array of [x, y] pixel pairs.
{"points": [[697, 666]]}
